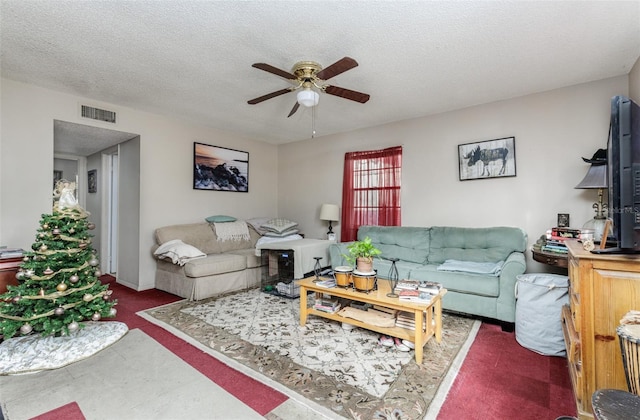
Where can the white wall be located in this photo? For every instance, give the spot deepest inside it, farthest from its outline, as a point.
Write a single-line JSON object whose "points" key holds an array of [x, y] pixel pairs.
{"points": [[552, 130], [167, 196], [634, 82]]}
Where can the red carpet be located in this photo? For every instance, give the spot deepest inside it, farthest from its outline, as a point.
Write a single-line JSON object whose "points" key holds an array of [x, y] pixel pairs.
{"points": [[500, 379], [69, 411], [254, 394]]}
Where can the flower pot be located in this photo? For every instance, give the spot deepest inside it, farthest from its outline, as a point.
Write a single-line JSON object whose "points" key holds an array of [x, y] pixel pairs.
{"points": [[364, 265]]}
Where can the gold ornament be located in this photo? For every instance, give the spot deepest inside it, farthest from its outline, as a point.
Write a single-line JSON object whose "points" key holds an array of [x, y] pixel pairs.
{"points": [[45, 226], [96, 317], [72, 230], [88, 297], [61, 287], [43, 248]]}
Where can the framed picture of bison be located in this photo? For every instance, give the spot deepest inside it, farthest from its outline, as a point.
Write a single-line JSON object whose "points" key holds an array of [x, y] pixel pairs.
{"points": [[487, 159], [220, 169]]}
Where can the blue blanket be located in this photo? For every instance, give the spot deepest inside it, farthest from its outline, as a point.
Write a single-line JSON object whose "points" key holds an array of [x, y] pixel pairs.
{"points": [[489, 268]]}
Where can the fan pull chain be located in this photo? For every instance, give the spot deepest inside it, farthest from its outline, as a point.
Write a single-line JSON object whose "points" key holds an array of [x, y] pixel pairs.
{"points": [[313, 122]]}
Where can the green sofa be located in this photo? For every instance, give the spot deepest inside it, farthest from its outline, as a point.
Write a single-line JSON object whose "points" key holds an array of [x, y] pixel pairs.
{"points": [[472, 288]]}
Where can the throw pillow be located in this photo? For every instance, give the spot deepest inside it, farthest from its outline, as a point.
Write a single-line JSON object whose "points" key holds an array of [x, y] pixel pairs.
{"points": [[178, 252], [257, 223], [279, 225], [283, 234], [220, 219]]}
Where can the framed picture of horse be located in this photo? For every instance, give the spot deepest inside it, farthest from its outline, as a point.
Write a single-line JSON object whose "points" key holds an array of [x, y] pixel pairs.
{"points": [[487, 159]]}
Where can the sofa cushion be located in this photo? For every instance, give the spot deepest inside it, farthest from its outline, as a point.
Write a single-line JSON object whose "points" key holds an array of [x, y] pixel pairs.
{"points": [[199, 235], [253, 261], [475, 244], [403, 242], [215, 264], [475, 284]]}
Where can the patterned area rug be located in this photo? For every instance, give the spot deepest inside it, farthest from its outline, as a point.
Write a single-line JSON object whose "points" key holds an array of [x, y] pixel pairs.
{"points": [[346, 371]]}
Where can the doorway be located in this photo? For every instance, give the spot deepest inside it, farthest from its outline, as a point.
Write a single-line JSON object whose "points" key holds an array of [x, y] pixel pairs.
{"points": [[100, 151]]}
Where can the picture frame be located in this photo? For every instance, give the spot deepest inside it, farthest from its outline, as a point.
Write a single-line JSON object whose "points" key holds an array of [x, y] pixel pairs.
{"points": [[92, 181], [218, 168], [57, 176], [487, 159], [563, 219]]}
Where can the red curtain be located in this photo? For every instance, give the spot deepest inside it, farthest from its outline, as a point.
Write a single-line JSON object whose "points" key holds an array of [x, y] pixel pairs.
{"points": [[370, 190]]}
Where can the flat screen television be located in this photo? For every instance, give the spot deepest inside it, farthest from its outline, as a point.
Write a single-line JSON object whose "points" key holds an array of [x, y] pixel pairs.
{"points": [[623, 161]]}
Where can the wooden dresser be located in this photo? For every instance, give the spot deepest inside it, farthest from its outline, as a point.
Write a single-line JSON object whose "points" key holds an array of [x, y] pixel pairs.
{"points": [[602, 290], [8, 269]]}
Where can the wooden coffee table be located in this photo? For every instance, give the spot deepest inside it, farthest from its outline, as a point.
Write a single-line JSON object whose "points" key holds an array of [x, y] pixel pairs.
{"points": [[428, 316]]}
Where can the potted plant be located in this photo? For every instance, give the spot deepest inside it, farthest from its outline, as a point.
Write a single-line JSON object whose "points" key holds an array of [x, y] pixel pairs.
{"points": [[361, 253]]}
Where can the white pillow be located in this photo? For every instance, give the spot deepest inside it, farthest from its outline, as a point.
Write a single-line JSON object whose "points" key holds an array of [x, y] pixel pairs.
{"points": [[283, 234], [279, 225], [178, 252], [257, 222]]}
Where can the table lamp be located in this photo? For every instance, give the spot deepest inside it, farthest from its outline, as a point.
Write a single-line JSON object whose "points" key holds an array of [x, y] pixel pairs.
{"points": [[330, 213], [596, 178]]}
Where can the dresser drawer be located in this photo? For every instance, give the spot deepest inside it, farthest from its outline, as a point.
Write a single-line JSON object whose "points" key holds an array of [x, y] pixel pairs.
{"points": [[571, 337]]}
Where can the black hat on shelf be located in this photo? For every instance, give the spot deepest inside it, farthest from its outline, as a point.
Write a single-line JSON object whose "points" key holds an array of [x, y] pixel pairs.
{"points": [[599, 158]]}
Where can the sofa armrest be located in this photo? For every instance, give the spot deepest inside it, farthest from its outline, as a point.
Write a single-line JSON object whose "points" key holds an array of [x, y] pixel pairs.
{"points": [[336, 252], [513, 266]]}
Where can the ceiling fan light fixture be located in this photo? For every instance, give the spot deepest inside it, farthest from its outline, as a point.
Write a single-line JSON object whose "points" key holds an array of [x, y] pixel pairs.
{"points": [[308, 97]]}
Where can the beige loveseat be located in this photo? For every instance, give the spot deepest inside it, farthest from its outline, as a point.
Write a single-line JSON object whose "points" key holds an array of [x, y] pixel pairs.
{"points": [[228, 266]]}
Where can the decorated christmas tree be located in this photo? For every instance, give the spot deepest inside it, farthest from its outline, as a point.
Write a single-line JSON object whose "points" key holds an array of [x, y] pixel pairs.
{"points": [[59, 280]]}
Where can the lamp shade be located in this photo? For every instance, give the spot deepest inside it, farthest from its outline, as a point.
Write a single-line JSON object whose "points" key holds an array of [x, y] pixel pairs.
{"points": [[596, 177], [329, 212], [308, 97]]}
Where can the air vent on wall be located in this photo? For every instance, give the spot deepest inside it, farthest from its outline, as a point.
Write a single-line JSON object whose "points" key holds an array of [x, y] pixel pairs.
{"points": [[97, 114]]}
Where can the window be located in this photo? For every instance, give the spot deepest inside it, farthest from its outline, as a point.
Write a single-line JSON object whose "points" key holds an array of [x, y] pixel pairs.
{"points": [[370, 190]]}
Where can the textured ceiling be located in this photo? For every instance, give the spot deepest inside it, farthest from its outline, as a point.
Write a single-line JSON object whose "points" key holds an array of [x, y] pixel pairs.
{"points": [[192, 59]]}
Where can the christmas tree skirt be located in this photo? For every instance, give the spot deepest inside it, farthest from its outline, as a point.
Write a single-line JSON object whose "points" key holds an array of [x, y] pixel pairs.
{"points": [[33, 353]]}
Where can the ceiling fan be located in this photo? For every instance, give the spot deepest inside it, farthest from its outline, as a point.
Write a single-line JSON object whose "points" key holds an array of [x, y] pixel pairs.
{"points": [[307, 75]]}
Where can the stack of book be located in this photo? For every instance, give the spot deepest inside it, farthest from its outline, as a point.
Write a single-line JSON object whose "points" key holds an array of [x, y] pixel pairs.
{"points": [[392, 312], [11, 252], [406, 284], [417, 290], [328, 283], [556, 239], [406, 320], [415, 296], [327, 304]]}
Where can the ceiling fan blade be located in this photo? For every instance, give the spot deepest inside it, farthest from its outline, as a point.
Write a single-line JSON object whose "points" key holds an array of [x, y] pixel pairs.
{"points": [[294, 109], [347, 94], [270, 69], [268, 96], [340, 66]]}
